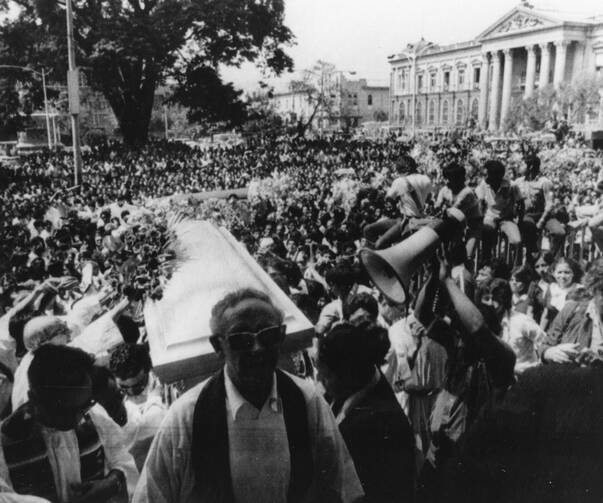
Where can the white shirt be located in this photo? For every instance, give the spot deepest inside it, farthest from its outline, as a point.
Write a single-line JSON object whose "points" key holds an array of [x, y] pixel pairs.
{"points": [[144, 420], [558, 296], [596, 340], [397, 369], [524, 336], [8, 345], [258, 447], [20, 393], [64, 457], [168, 475]]}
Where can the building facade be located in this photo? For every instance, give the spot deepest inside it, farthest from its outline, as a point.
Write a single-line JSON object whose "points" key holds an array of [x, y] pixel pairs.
{"points": [[348, 102], [292, 106], [475, 82], [373, 102]]}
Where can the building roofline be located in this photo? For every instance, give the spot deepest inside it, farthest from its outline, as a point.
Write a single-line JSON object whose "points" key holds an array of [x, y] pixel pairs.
{"points": [[442, 49], [287, 93], [555, 23]]}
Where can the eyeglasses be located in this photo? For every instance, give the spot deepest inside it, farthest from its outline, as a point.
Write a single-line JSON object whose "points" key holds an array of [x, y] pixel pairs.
{"points": [[267, 337], [135, 389]]}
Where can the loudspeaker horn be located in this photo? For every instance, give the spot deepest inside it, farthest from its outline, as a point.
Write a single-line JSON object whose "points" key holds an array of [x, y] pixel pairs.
{"points": [[391, 270]]}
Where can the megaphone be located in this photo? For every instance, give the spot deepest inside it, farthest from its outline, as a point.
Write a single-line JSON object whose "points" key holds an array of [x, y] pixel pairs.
{"points": [[391, 270]]}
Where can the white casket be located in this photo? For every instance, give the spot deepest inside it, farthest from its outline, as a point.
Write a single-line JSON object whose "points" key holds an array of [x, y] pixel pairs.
{"points": [[213, 263]]}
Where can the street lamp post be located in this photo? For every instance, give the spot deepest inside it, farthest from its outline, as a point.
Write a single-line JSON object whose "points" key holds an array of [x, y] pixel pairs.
{"points": [[165, 121], [412, 52], [43, 75], [46, 109], [73, 91]]}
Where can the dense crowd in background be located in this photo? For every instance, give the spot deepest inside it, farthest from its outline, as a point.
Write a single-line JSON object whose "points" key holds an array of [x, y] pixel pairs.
{"points": [[77, 263]]}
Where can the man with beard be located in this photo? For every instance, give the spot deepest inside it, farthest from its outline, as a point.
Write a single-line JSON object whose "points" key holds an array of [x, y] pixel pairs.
{"points": [[251, 432]]}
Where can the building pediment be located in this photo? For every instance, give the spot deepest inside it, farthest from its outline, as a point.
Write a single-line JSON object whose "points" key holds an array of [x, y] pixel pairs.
{"points": [[519, 20]]}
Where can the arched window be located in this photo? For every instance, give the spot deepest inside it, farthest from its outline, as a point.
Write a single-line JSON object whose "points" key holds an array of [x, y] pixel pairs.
{"points": [[460, 112], [445, 112], [419, 113], [431, 112], [475, 108], [402, 115]]}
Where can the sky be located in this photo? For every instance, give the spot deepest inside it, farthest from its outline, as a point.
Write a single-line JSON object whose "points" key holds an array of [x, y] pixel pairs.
{"points": [[359, 35]]}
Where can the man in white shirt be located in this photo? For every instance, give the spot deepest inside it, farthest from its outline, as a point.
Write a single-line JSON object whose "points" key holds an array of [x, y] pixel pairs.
{"points": [[500, 200], [59, 446], [131, 365], [251, 432]]}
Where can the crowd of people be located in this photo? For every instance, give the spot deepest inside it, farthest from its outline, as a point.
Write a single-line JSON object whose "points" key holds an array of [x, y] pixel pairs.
{"points": [[481, 386]]}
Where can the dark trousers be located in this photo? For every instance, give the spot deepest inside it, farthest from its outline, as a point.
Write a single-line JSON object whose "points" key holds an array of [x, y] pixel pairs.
{"points": [[530, 234], [490, 236]]}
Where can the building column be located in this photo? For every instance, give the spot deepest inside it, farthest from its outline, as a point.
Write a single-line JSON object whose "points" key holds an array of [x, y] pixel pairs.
{"points": [[530, 71], [507, 82], [494, 92], [560, 59], [545, 65], [483, 92]]}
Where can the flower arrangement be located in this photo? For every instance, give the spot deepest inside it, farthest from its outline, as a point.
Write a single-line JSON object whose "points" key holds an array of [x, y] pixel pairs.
{"points": [[344, 194], [426, 159], [276, 187]]}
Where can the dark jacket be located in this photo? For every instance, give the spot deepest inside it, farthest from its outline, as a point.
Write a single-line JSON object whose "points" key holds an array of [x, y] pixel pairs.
{"points": [[572, 324], [380, 440], [27, 457], [542, 443]]}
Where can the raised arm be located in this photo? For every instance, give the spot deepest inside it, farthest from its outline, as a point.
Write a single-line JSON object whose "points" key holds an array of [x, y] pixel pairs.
{"points": [[499, 357]]}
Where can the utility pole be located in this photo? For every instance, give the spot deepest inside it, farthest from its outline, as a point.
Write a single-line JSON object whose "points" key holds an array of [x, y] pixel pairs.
{"points": [[46, 109], [165, 121], [412, 52], [73, 90]]}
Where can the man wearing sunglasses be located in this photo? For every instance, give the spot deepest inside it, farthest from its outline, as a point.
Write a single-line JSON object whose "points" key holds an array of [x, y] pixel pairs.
{"points": [[59, 446], [251, 432]]}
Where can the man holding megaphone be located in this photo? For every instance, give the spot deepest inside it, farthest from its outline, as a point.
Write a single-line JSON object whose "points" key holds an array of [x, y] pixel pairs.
{"points": [[479, 371], [480, 364]]}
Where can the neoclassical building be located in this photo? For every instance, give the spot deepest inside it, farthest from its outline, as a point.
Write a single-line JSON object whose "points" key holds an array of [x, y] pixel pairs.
{"points": [[478, 80]]}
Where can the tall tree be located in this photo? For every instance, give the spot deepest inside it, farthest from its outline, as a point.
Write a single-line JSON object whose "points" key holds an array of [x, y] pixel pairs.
{"points": [[132, 46], [262, 119], [25, 43], [315, 85], [574, 101]]}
